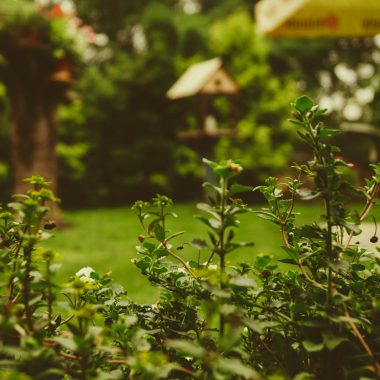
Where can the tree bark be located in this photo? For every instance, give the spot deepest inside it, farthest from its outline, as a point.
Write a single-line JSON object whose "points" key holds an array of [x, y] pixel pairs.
{"points": [[33, 139], [34, 90]]}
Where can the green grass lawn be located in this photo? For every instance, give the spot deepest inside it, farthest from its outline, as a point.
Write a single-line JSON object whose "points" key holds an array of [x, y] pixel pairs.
{"points": [[105, 239]]}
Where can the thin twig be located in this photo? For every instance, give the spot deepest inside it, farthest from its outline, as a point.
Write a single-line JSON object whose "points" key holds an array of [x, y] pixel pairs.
{"points": [[68, 319], [299, 262], [374, 221], [164, 244], [366, 210], [69, 356], [273, 355], [18, 295], [284, 237], [14, 266], [365, 345], [212, 253], [290, 208], [116, 361], [308, 278]]}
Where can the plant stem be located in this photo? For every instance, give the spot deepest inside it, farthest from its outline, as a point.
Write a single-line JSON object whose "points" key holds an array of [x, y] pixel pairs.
{"points": [[221, 246], [50, 294], [222, 227], [212, 253], [14, 266], [366, 209], [26, 285], [329, 248], [162, 217], [171, 253], [365, 345]]}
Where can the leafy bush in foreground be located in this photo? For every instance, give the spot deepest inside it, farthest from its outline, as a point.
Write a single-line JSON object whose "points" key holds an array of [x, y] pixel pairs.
{"points": [[319, 320]]}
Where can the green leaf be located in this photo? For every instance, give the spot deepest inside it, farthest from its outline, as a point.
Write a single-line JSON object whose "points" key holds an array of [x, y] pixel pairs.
{"points": [[341, 266], [357, 267], [254, 325], [186, 347], [319, 112], [152, 225], [236, 188], [304, 376], [161, 253], [296, 122], [203, 219], [312, 346], [210, 163], [208, 209], [149, 246], [215, 223], [236, 368], [67, 343], [265, 215], [288, 261], [331, 341], [209, 185], [328, 132], [243, 282], [179, 233], [350, 227], [159, 232], [307, 194], [143, 263], [303, 104], [230, 236], [193, 264], [199, 244]]}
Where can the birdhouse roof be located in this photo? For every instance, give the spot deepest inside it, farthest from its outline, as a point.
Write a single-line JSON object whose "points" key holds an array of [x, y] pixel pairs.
{"points": [[206, 77]]}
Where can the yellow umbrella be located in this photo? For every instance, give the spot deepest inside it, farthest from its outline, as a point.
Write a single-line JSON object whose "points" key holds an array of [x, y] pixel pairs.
{"points": [[318, 18]]}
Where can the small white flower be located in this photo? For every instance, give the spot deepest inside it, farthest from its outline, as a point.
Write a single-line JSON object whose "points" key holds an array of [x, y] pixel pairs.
{"points": [[84, 275], [210, 266], [85, 271]]}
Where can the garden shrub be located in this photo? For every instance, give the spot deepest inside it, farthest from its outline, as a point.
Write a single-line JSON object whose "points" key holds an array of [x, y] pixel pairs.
{"points": [[317, 320]]}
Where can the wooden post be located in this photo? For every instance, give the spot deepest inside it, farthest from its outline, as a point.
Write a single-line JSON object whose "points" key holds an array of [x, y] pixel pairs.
{"points": [[203, 111]]}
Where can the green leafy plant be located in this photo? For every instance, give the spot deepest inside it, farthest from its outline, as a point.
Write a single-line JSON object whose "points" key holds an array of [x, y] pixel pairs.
{"points": [[323, 313], [255, 320]]}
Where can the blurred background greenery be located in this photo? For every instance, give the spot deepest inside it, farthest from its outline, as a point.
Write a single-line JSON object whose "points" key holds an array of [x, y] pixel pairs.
{"points": [[118, 121]]}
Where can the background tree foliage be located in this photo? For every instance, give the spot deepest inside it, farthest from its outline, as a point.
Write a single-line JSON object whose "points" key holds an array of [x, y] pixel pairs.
{"points": [[117, 139], [122, 121]]}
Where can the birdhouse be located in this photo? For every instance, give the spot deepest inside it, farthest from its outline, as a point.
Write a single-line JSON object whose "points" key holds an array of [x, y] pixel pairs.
{"points": [[206, 80]]}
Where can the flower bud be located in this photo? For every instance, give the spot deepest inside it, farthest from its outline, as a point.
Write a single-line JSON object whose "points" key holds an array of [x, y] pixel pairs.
{"points": [[235, 167], [265, 273]]}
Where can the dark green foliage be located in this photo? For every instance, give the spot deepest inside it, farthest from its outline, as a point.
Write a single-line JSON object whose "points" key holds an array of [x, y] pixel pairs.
{"points": [[126, 121], [318, 320]]}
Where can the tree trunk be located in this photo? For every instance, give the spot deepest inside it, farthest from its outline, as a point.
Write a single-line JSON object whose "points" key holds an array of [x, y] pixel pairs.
{"points": [[33, 139]]}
